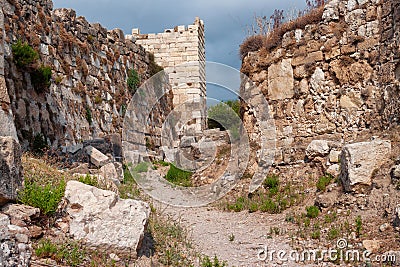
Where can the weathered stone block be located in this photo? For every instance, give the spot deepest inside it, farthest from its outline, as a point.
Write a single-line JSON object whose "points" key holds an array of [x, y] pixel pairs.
{"points": [[102, 220], [317, 148], [96, 157], [359, 160], [11, 175], [109, 172], [280, 80]]}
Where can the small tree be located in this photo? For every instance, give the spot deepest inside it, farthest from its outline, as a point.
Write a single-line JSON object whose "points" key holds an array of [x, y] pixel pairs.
{"points": [[225, 116]]}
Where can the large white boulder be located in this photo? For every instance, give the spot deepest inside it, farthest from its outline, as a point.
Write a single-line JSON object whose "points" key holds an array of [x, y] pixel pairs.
{"points": [[104, 221], [359, 160]]}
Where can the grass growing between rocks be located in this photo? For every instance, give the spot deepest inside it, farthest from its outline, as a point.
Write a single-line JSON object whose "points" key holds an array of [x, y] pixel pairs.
{"points": [[70, 253], [89, 180], [44, 186], [215, 262], [129, 187], [46, 197], [172, 246], [323, 182], [178, 176], [273, 198]]}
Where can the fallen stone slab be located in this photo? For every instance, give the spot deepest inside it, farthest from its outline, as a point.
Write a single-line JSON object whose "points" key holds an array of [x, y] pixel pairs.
{"points": [[96, 157], [317, 148], [19, 214], [109, 172], [103, 221], [359, 160], [11, 174]]}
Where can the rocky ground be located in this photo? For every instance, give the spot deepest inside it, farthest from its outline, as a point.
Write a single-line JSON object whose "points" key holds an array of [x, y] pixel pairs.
{"points": [[240, 229]]}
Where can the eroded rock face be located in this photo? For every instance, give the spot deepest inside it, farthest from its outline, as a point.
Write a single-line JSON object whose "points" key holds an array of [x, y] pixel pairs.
{"points": [[103, 221], [359, 160], [10, 169]]}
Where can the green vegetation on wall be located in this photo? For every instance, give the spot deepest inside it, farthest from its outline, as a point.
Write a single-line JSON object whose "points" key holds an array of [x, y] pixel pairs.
{"points": [[40, 78], [23, 54], [133, 81], [26, 57]]}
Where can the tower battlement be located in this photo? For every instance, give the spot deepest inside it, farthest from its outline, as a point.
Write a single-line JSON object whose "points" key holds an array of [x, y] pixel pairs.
{"points": [[181, 52]]}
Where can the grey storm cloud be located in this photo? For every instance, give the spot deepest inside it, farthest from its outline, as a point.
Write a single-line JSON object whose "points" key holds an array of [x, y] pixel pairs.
{"points": [[225, 21]]}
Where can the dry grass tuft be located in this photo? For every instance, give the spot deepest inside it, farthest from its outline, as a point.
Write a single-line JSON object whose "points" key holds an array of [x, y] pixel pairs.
{"points": [[274, 38]]}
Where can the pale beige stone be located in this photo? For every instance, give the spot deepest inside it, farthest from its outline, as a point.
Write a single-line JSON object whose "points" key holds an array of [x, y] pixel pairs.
{"points": [[280, 80]]}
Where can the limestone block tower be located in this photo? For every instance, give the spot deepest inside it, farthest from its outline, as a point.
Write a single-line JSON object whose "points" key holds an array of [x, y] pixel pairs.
{"points": [[181, 52]]}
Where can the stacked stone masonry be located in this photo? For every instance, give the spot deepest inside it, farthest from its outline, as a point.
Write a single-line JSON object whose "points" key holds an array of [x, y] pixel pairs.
{"points": [[335, 80], [181, 52], [88, 94]]}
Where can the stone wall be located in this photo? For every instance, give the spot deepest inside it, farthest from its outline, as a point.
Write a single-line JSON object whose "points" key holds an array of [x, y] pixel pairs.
{"points": [[334, 80], [88, 92], [181, 52], [389, 71], [6, 116]]}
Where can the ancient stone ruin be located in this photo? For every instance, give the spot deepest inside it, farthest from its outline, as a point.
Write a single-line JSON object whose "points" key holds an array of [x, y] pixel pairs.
{"points": [[181, 52], [332, 89]]}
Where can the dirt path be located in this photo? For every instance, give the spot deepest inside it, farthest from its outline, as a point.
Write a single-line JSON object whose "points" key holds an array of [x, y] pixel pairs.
{"points": [[212, 232]]}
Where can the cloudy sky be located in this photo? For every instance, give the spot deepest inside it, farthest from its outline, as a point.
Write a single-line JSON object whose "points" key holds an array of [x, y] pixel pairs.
{"points": [[226, 22]]}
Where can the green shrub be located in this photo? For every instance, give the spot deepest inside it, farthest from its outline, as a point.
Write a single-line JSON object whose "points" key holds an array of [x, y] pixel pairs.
{"points": [[46, 249], [127, 174], [41, 78], [312, 211], [23, 54], [358, 225], [89, 117], [162, 163], [270, 206], [206, 262], [333, 233], [323, 182], [69, 253], [253, 207], [46, 197], [39, 144], [316, 234], [89, 180], [271, 182], [225, 116], [329, 218], [238, 205], [133, 80], [178, 176]]}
